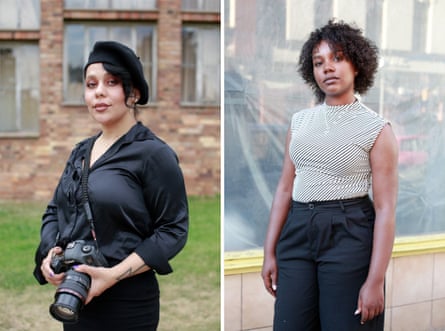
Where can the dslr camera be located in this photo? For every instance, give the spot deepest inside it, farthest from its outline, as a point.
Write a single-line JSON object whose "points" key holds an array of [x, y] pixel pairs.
{"points": [[72, 292]]}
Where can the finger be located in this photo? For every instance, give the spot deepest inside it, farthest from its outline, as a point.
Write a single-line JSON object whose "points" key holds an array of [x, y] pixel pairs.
{"points": [[83, 268], [359, 307], [89, 298], [46, 271], [273, 277], [364, 315], [266, 281], [55, 279], [272, 288], [269, 286], [374, 313]]}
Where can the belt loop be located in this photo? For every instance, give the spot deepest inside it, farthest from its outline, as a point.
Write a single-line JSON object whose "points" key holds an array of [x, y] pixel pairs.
{"points": [[342, 206]]}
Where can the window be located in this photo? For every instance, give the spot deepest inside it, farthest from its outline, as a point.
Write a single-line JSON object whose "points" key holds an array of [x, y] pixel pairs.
{"points": [[374, 10], [322, 11], [19, 88], [111, 4], [200, 64], [201, 5], [420, 25], [260, 99], [79, 40], [19, 14]]}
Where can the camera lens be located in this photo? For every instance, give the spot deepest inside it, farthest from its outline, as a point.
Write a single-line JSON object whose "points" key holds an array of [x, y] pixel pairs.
{"points": [[70, 296]]}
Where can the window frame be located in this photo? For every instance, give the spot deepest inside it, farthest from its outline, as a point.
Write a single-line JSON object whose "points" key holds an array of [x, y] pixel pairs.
{"points": [[199, 4], [111, 5], [18, 11], [20, 131], [87, 44], [199, 99]]}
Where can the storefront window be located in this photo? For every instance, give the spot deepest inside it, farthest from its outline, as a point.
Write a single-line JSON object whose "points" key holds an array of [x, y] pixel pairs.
{"points": [[262, 90]]}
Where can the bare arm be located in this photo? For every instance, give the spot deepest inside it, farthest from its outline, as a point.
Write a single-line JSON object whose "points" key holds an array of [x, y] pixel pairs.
{"points": [[384, 158], [277, 218]]}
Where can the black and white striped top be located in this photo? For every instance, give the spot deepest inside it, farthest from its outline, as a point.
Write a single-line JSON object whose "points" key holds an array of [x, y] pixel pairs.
{"points": [[330, 148]]}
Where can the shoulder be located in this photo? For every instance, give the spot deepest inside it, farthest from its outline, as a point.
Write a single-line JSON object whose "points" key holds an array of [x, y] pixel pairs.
{"points": [[305, 115], [372, 115], [152, 147], [307, 111]]}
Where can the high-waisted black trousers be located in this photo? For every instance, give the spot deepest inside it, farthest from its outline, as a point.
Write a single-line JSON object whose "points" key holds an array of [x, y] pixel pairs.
{"points": [[323, 257]]}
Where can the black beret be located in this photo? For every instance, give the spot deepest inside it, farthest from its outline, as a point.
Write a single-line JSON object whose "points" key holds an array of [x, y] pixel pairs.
{"points": [[120, 55]]}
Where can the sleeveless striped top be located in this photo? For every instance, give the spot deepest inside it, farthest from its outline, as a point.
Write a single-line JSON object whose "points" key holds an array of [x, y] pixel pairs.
{"points": [[330, 148]]}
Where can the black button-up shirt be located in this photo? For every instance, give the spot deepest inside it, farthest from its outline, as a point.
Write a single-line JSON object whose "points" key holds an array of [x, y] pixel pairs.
{"points": [[138, 199]]}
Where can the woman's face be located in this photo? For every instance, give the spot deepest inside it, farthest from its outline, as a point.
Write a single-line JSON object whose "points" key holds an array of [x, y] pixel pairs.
{"points": [[104, 96], [334, 74]]}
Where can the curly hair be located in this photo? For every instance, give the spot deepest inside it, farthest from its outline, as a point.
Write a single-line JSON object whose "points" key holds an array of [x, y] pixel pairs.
{"points": [[360, 51]]}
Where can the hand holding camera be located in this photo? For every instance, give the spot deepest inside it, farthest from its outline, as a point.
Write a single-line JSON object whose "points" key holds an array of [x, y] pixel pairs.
{"points": [[72, 292], [47, 271]]}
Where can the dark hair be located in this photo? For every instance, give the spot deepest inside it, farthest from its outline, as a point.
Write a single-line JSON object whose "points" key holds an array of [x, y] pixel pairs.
{"points": [[125, 78], [360, 51]]}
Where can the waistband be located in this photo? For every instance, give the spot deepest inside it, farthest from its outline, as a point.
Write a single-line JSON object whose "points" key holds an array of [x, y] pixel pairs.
{"points": [[342, 203]]}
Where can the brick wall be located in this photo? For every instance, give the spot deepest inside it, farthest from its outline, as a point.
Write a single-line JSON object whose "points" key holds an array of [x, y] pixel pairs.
{"points": [[30, 167]]}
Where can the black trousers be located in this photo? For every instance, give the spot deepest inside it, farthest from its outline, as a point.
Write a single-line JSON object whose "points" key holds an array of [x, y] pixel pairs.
{"points": [[323, 258]]}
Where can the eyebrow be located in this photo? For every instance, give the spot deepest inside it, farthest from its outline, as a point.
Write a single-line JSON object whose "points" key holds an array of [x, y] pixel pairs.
{"points": [[106, 75], [334, 52]]}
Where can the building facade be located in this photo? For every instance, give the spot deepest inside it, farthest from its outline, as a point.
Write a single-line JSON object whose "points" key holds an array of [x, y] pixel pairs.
{"points": [[43, 46]]}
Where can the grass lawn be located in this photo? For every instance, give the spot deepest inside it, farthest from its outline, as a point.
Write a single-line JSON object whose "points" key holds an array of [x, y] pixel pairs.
{"points": [[190, 296]]}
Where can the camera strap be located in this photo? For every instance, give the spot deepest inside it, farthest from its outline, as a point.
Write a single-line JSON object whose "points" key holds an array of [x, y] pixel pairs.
{"points": [[84, 184]]}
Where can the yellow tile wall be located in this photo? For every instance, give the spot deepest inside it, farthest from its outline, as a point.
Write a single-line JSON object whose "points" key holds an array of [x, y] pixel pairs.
{"points": [[415, 297]]}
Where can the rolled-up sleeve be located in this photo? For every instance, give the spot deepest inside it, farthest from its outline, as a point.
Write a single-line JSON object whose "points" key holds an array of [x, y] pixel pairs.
{"points": [[166, 199]]}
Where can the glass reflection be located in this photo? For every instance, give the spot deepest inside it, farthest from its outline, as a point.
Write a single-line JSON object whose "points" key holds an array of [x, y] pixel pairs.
{"points": [[262, 90]]}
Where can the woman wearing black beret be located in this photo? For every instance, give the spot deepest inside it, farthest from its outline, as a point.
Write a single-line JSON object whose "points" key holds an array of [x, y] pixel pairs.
{"points": [[132, 216]]}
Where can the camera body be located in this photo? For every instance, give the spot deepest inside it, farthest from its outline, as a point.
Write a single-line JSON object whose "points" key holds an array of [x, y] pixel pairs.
{"points": [[72, 292], [77, 252]]}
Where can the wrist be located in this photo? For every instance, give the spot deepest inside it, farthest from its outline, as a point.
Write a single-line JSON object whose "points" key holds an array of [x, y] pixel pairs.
{"points": [[117, 272], [375, 280]]}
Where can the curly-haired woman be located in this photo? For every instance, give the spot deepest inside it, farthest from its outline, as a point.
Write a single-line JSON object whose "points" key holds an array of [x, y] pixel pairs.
{"points": [[328, 243]]}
